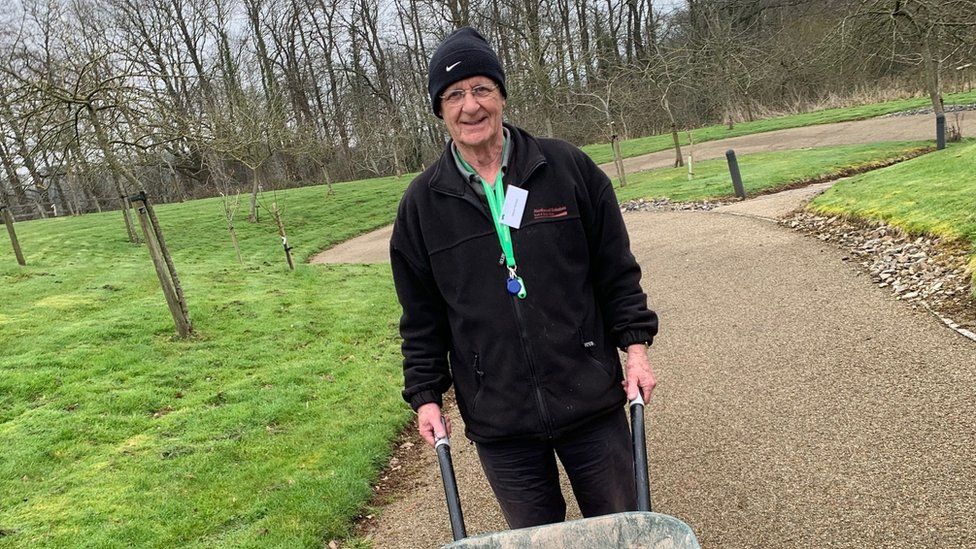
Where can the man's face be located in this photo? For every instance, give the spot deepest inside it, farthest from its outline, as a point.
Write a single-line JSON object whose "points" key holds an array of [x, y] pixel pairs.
{"points": [[474, 122]]}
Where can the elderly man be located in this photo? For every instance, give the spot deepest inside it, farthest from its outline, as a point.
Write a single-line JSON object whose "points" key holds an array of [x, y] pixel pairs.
{"points": [[513, 267]]}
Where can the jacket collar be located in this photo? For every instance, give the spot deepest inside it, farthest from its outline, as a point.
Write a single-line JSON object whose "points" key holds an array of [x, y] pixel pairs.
{"points": [[526, 157]]}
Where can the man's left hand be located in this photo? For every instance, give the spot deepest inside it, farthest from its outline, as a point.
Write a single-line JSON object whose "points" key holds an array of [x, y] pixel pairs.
{"points": [[638, 373]]}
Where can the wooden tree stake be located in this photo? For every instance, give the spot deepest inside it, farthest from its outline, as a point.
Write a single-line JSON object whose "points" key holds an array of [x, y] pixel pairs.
{"points": [[8, 220], [163, 263]]}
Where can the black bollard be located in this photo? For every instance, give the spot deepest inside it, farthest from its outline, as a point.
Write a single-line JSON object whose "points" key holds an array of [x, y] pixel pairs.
{"points": [[736, 176], [940, 138]]}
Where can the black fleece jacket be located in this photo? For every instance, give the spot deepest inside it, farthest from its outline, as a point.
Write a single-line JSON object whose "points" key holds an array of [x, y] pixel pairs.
{"points": [[521, 368]]}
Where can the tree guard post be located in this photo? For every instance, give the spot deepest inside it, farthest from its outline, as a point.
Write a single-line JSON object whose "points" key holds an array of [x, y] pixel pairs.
{"points": [[940, 131], [8, 220], [736, 176], [165, 270]]}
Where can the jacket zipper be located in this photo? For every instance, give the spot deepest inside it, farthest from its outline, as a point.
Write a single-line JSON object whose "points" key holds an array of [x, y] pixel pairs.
{"points": [[524, 339], [520, 321]]}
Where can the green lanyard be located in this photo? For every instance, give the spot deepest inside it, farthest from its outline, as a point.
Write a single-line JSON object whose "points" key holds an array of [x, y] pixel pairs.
{"points": [[496, 198]]}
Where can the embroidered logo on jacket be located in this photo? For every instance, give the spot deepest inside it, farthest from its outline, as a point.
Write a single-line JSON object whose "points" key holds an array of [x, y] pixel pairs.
{"points": [[546, 213]]}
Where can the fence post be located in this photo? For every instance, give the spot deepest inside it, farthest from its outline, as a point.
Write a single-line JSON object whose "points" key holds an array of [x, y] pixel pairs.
{"points": [[940, 131], [734, 172], [8, 220]]}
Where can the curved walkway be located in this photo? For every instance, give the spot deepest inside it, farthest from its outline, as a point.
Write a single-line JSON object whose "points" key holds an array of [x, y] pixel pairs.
{"points": [[374, 247], [901, 128], [799, 405]]}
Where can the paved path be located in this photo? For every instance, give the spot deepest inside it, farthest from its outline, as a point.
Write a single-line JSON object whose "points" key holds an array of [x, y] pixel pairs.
{"points": [[799, 405], [374, 247], [899, 128]]}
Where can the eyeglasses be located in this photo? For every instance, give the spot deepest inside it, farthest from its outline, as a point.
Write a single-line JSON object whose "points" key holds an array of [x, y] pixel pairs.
{"points": [[456, 97]]}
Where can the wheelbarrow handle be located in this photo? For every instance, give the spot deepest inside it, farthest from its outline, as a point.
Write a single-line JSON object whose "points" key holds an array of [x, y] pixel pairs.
{"points": [[640, 454], [443, 448]]}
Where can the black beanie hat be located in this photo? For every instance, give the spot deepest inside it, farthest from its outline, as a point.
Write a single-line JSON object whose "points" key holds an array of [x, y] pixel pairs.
{"points": [[463, 54]]}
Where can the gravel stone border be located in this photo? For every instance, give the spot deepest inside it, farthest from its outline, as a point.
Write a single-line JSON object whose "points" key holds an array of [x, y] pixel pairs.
{"points": [[926, 272], [665, 205], [930, 110]]}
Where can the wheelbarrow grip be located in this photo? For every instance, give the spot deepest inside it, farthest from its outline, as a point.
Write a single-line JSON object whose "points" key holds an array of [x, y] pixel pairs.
{"points": [[640, 454], [443, 448]]}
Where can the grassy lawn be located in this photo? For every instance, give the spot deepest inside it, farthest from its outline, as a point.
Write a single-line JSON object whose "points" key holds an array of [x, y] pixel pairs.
{"points": [[760, 172], [601, 153], [265, 428], [933, 194]]}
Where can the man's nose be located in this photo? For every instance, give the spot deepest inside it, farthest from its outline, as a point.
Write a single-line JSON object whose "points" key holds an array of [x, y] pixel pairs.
{"points": [[469, 103]]}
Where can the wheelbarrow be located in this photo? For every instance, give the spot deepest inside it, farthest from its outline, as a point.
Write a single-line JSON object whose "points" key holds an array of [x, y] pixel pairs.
{"points": [[632, 530]]}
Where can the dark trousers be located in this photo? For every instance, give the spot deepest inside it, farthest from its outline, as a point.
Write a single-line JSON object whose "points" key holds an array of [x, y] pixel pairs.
{"points": [[598, 459]]}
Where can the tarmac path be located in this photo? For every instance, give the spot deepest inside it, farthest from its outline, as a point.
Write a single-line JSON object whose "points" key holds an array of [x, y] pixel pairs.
{"points": [[799, 405], [896, 128], [374, 247]]}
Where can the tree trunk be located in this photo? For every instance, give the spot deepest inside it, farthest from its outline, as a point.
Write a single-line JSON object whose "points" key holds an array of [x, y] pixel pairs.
{"points": [[618, 160], [126, 213], [15, 183], [932, 80], [118, 168], [8, 220], [678, 160], [255, 187], [276, 214]]}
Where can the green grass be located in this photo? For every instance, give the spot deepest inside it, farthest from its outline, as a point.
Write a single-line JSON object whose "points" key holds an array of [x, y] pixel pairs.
{"points": [[601, 153], [264, 429], [932, 195], [760, 172]]}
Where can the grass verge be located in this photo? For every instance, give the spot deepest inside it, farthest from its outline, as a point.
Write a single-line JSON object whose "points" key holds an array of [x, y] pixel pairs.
{"points": [[765, 172], [265, 428], [601, 153], [928, 195]]}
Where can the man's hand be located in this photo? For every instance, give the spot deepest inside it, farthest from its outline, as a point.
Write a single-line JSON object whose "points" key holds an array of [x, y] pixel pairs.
{"points": [[639, 375], [429, 423]]}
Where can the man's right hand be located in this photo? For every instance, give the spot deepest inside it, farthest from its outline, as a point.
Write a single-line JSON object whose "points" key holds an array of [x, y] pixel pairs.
{"points": [[429, 423]]}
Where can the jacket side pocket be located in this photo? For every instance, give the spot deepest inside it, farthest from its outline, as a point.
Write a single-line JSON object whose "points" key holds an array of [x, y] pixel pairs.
{"points": [[589, 345], [479, 381]]}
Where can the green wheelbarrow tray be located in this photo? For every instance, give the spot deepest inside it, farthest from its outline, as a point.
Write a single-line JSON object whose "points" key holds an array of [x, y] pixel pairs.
{"points": [[640, 528], [622, 530]]}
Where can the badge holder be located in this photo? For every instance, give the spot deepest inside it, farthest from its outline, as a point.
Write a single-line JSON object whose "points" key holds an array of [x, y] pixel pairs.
{"points": [[515, 285]]}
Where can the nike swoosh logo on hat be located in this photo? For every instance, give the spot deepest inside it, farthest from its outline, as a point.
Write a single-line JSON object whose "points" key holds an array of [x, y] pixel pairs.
{"points": [[449, 67]]}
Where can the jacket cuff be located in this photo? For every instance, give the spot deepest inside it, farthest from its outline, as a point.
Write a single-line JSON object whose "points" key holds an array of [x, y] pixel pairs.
{"points": [[630, 337], [425, 397]]}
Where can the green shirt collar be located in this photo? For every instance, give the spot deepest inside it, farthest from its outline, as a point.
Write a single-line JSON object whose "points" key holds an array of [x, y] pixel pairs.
{"points": [[467, 174]]}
